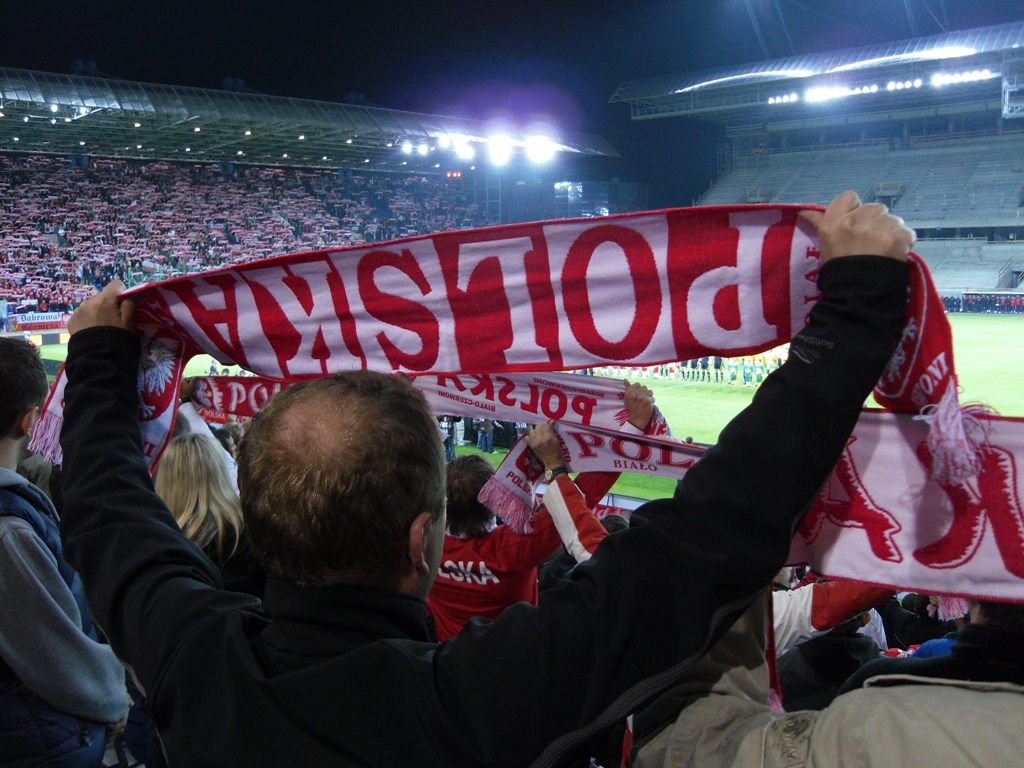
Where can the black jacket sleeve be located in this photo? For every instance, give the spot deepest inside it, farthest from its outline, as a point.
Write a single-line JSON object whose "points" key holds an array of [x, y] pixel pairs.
{"points": [[147, 584], [653, 598]]}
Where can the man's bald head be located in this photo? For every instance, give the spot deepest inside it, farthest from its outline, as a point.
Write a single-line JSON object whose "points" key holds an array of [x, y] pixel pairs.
{"points": [[332, 473]]}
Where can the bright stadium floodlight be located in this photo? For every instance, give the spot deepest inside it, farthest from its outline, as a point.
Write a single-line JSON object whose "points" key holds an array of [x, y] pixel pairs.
{"points": [[54, 107], [500, 149], [406, 148], [951, 78], [830, 92], [444, 141], [464, 151], [540, 149], [423, 149]]}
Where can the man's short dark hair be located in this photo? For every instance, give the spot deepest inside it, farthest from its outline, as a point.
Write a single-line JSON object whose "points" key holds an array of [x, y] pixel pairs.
{"points": [[1010, 615], [333, 472], [23, 382], [466, 476]]}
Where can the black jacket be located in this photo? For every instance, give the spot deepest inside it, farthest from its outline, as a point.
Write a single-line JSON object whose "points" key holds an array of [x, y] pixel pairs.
{"points": [[345, 676]]}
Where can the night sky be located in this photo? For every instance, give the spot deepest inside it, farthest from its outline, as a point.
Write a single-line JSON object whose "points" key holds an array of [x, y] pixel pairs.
{"points": [[521, 59]]}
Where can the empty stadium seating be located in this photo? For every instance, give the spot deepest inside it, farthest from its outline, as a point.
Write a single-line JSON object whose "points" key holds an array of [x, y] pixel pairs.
{"points": [[937, 187]]}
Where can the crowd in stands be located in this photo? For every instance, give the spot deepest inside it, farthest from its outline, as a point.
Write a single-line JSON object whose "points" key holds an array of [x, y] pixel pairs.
{"points": [[68, 228]]}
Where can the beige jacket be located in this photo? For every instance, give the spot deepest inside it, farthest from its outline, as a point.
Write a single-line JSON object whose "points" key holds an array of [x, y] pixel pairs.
{"points": [[919, 723]]}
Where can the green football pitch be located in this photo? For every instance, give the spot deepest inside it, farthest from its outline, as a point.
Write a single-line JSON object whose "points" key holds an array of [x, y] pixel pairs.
{"points": [[988, 352]]}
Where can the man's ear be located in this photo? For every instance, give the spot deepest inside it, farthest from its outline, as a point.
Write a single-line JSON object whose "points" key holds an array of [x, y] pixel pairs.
{"points": [[418, 542], [26, 422]]}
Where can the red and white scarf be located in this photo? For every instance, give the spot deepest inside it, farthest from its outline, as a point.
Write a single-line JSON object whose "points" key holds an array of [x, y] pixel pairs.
{"points": [[599, 454], [636, 289]]}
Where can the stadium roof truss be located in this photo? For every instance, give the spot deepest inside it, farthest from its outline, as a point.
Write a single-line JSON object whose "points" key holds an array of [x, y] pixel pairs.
{"points": [[953, 73], [70, 115]]}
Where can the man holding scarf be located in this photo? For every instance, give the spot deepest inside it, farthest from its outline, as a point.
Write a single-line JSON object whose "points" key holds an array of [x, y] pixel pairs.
{"points": [[334, 668]]}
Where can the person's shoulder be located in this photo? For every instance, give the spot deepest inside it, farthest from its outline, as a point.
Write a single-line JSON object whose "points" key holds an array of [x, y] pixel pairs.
{"points": [[938, 646], [19, 541], [14, 526], [16, 500], [874, 668]]}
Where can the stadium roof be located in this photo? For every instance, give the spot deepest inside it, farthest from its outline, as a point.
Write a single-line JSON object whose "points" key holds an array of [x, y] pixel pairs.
{"points": [[983, 68], [70, 115]]}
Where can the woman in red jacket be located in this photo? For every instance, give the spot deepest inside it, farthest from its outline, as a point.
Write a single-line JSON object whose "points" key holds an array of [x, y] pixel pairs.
{"points": [[485, 566]]}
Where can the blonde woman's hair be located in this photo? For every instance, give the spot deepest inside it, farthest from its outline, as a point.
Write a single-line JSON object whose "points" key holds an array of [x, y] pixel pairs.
{"points": [[194, 484]]}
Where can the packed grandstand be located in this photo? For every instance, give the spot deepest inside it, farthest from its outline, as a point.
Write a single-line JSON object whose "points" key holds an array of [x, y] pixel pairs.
{"points": [[69, 228], [948, 158], [928, 126]]}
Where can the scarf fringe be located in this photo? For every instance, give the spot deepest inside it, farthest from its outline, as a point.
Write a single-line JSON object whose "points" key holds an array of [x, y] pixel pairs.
{"points": [[508, 505], [955, 437], [952, 607], [46, 437]]}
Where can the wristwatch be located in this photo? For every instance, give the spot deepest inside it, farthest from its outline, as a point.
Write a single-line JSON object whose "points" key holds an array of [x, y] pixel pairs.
{"points": [[551, 474]]}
